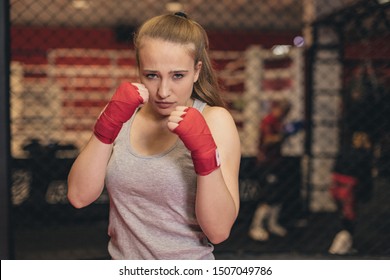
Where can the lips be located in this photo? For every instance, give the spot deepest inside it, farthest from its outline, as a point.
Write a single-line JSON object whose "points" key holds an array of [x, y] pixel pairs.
{"points": [[164, 104]]}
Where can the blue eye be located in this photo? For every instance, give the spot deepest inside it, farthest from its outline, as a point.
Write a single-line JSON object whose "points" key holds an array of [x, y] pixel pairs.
{"points": [[178, 76], [151, 76]]}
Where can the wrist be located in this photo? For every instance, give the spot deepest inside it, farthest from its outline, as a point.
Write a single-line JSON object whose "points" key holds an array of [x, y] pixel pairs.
{"points": [[205, 163], [110, 122], [106, 130]]}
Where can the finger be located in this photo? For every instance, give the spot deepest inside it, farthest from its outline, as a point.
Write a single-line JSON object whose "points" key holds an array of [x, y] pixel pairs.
{"points": [[175, 119], [178, 113], [139, 86], [143, 91], [181, 108], [172, 125], [145, 96]]}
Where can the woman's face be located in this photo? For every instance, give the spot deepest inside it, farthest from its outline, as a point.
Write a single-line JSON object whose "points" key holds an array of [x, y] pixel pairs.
{"points": [[169, 72]]}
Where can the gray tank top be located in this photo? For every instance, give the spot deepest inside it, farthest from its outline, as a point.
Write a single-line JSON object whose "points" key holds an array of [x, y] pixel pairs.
{"points": [[152, 203]]}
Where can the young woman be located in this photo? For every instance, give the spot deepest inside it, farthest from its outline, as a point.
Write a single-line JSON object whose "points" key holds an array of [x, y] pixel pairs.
{"points": [[166, 149]]}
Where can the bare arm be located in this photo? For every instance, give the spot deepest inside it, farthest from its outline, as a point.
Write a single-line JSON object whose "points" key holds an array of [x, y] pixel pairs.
{"points": [[86, 177], [217, 201]]}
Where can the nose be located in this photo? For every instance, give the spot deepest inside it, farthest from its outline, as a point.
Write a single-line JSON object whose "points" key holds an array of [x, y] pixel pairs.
{"points": [[163, 90]]}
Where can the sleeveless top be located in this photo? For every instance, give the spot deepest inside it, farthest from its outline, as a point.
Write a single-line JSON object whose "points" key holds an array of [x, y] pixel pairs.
{"points": [[152, 203]]}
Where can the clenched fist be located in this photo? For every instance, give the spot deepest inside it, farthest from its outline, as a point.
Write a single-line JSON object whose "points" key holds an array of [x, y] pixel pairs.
{"points": [[119, 110]]}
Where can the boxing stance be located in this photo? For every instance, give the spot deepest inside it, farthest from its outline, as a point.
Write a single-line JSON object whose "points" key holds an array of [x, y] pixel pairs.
{"points": [[165, 149]]}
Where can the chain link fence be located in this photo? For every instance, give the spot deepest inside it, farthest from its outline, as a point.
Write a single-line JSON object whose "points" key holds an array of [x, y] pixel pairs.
{"points": [[329, 59]]}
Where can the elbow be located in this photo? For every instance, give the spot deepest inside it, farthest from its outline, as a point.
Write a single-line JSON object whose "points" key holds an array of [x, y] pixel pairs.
{"points": [[82, 194], [75, 202], [219, 237], [75, 199]]}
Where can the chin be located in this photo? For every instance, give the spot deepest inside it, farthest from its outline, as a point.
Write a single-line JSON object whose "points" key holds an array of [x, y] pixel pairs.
{"points": [[165, 112]]}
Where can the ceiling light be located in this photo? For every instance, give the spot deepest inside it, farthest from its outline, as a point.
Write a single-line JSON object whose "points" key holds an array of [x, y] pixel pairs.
{"points": [[281, 49], [80, 4], [174, 7]]}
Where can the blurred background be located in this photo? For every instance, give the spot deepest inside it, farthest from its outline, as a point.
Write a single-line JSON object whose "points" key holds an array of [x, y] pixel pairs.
{"points": [[330, 59]]}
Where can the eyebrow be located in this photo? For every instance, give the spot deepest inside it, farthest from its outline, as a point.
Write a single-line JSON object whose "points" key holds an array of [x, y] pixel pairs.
{"points": [[170, 72]]}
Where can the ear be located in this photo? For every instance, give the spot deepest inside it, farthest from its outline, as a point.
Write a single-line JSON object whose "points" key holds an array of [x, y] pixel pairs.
{"points": [[198, 66]]}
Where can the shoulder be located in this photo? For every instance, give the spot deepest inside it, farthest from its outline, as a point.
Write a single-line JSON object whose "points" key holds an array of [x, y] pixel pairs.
{"points": [[216, 114], [220, 122]]}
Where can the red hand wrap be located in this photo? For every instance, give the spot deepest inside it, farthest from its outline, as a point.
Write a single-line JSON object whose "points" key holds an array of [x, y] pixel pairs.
{"points": [[343, 191], [196, 136], [121, 107]]}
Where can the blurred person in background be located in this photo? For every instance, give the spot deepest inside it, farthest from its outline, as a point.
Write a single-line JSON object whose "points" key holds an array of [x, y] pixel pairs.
{"points": [[166, 149], [271, 172], [352, 185]]}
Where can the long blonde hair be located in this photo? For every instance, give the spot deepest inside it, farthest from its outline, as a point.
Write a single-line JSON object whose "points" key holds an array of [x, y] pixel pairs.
{"points": [[178, 28]]}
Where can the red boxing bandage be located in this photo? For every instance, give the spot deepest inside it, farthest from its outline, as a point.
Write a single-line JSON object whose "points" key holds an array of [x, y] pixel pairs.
{"points": [[343, 191], [196, 136], [119, 110]]}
